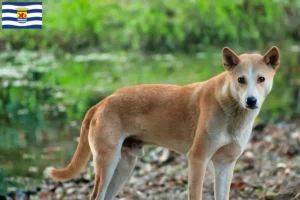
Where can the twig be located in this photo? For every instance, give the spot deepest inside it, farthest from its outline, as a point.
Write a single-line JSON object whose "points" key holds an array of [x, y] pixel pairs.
{"points": [[295, 198]]}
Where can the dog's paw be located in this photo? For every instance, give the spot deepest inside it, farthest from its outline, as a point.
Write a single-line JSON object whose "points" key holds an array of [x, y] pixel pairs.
{"points": [[48, 172]]}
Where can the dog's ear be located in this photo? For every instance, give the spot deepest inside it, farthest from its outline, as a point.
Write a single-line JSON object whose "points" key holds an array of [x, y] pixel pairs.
{"points": [[271, 58], [230, 59]]}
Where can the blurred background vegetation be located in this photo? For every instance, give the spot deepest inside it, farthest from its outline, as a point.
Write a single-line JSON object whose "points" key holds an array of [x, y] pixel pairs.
{"points": [[49, 77]]}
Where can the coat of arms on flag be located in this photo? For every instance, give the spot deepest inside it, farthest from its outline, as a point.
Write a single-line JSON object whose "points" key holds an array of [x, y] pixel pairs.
{"points": [[21, 15]]}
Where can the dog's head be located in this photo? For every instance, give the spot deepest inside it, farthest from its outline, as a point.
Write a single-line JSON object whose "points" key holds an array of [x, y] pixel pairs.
{"points": [[251, 75]]}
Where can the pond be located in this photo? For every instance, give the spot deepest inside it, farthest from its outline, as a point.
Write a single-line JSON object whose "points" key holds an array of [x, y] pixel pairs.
{"points": [[43, 98]]}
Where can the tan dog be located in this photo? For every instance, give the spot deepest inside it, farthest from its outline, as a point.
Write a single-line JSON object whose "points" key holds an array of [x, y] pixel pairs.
{"points": [[209, 120]]}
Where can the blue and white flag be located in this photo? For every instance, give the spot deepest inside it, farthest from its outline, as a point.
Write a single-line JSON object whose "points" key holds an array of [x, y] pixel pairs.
{"points": [[21, 15]]}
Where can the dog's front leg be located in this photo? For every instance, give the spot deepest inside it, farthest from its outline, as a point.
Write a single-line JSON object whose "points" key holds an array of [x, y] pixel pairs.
{"points": [[223, 171], [197, 168], [198, 158]]}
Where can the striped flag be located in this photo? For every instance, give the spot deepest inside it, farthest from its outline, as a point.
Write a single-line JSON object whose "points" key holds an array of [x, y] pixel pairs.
{"points": [[21, 15]]}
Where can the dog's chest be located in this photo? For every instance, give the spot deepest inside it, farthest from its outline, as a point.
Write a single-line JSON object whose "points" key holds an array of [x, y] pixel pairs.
{"points": [[230, 130], [239, 128]]}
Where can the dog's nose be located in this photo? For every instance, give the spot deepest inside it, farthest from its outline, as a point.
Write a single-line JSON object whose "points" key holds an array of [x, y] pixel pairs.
{"points": [[251, 101]]}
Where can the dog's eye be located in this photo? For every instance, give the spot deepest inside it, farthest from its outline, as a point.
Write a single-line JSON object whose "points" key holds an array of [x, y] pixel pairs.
{"points": [[241, 80], [261, 79]]}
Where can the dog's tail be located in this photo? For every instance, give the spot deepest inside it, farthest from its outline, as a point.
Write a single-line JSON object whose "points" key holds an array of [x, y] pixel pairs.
{"points": [[81, 156]]}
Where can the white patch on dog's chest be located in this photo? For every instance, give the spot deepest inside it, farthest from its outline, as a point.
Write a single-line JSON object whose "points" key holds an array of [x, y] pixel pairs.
{"points": [[240, 129], [234, 132], [241, 136]]}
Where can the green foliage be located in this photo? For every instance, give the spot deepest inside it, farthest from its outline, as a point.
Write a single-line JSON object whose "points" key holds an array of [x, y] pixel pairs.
{"points": [[3, 184], [158, 25]]}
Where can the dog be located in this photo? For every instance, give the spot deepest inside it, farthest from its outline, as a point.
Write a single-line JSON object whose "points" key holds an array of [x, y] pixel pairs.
{"points": [[210, 120]]}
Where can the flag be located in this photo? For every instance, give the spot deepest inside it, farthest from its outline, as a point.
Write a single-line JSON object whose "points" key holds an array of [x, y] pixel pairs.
{"points": [[21, 15]]}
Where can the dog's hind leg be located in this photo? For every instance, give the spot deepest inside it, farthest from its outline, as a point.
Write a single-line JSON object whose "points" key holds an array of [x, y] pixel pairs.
{"points": [[131, 149], [105, 142], [121, 174], [105, 164]]}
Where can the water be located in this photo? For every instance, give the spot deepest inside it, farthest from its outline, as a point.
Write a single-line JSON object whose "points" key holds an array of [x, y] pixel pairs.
{"points": [[43, 97]]}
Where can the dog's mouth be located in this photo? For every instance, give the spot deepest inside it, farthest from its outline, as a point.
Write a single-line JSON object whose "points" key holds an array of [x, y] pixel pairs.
{"points": [[252, 107]]}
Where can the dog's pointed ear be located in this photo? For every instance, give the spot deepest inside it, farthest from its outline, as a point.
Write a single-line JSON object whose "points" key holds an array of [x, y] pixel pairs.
{"points": [[272, 58], [230, 59]]}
